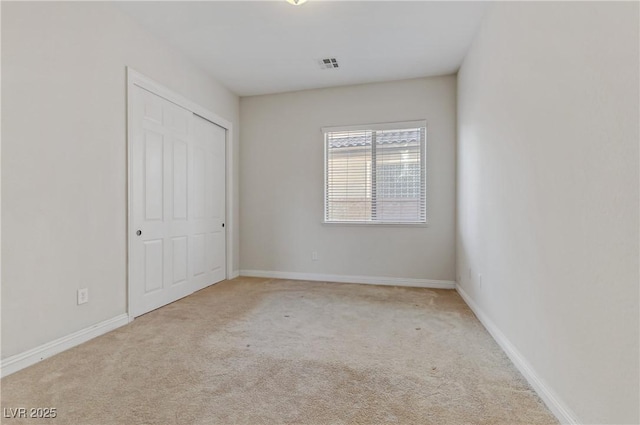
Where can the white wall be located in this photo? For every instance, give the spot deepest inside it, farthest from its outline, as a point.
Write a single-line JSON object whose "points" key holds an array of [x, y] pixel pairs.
{"points": [[281, 186], [548, 195], [64, 160]]}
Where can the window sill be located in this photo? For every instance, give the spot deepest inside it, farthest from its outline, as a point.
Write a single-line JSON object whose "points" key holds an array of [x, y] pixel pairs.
{"points": [[376, 224]]}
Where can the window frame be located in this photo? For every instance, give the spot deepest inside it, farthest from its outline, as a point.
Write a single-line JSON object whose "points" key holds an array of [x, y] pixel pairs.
{"points": [[400, 125]]}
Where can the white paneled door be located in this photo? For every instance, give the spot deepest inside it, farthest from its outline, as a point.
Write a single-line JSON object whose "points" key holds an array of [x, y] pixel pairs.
{"points": [[177, 211]]}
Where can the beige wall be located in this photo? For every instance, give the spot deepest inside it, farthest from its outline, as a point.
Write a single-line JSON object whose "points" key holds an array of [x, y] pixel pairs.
{"points": [[64, 160], [548, 195], [281, 189]]}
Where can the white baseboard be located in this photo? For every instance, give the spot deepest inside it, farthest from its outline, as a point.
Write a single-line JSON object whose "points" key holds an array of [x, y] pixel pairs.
{"points": [[561, 411], [369, 280], [234, 274], [20, 361]]}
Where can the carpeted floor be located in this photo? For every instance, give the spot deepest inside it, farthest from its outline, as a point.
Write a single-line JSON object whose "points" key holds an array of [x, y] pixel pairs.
{"points": [[265, 351]]}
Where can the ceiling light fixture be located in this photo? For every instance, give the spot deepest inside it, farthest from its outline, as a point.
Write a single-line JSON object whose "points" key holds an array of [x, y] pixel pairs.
{"points": [[296, 2]]}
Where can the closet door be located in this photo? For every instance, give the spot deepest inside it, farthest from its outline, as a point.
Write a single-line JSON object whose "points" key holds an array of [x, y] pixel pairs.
{"points": [[207, 203], [174, 239]]}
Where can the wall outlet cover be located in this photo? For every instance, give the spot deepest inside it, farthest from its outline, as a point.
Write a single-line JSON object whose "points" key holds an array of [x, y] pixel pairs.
{"points": [[83, 296]]}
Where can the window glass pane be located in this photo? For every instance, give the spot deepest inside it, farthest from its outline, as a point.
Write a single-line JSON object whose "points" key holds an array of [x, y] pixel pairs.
{"points": [[398, 175], [349, 176]]}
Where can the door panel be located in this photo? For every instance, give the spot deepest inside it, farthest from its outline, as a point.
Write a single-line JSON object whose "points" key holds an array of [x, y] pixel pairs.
{"points": [[180, 159], [153, 175], [216, 252], [198, 182], [153, 265], [177, 202], [179, 260], [198, 255]]}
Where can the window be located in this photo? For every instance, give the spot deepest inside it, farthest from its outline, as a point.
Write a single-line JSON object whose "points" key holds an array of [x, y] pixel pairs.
{"points": [[375, 173]]}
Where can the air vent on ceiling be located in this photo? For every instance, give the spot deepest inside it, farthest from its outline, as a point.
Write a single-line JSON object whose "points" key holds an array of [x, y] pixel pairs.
{"points": [[328, 63]]}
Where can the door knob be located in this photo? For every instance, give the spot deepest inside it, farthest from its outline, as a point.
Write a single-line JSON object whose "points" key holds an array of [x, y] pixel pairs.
{"points": [[139, 232]]}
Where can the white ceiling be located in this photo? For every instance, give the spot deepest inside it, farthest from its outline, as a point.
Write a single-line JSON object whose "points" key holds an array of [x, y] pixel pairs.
{"points": [[260, 47]]}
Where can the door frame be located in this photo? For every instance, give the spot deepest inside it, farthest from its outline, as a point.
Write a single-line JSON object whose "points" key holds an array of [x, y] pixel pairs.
{"points": [[135, 78]]}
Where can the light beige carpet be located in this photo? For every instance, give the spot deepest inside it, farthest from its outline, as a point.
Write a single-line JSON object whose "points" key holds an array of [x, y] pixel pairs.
{"points": [[262, 351]]}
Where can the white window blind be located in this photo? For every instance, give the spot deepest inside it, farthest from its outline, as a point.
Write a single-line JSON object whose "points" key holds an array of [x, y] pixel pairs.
{"points": [[376, 174]]}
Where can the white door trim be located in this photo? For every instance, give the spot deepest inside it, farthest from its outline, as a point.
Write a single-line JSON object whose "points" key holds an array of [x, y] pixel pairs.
{"points": [[135, 78]]}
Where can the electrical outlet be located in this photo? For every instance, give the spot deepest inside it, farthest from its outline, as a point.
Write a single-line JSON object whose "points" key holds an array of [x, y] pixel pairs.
{"points": [[83, 296], [314, 255]]}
